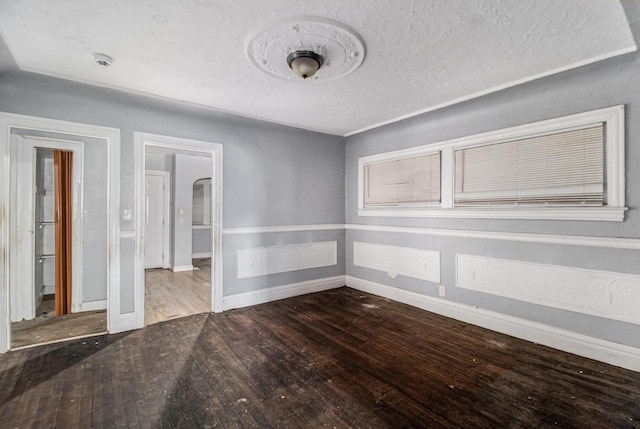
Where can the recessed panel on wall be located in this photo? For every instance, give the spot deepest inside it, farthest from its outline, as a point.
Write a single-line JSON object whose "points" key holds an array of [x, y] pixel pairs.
{"points": [[406, 261], [599, 293], [262, 261]]}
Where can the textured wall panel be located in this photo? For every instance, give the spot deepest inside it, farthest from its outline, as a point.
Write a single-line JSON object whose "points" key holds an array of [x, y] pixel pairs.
{"points": [[599, 293], [261, 261], [406, 261]]}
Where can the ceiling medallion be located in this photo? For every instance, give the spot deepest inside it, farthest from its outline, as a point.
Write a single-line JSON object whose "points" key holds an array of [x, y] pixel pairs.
{"points": [[306, 49]]}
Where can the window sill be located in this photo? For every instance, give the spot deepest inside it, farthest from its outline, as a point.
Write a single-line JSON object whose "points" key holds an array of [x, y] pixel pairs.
{"points": [[608, 214]]}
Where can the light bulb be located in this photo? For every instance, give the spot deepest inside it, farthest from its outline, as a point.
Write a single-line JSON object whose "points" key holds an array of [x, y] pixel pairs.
{"points": [[304, 63]]}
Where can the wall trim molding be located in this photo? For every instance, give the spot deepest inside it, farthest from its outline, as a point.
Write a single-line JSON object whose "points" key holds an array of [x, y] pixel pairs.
{"points": [[608, 214], [283, 228], [581, 345], [201, 255], [568, 240], [265, 295], [181, 268], [94, 305]]}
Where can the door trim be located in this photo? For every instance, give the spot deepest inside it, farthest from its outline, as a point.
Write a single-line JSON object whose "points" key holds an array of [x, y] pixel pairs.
{"points": [[22, 265], [166, 213], [213, 150], [111, 137]]}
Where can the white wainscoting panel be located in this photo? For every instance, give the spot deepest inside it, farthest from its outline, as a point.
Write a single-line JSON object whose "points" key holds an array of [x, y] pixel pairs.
{"points": [[261, 261], [599, 293], [405, 261]]}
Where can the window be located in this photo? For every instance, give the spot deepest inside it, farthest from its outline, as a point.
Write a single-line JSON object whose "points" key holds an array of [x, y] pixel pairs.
{"points": [[403, 182], [564, 168]]}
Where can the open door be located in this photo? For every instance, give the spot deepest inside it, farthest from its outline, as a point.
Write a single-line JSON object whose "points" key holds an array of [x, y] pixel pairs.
{"points": [[63, 178]]}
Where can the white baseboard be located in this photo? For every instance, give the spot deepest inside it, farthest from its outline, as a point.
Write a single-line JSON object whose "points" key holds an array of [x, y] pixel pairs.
{"points": [[94, 305], [280, 292], [582, 345], [48, 289], [180, 268], [201, 255]]}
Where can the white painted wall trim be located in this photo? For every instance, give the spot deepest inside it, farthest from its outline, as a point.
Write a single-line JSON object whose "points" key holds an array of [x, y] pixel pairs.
{"points": [[94, 305], [111, 136], [609, 214], [568, 240], [406, 261], [283, 228], [582, 345], [605, 294], [201, 255], [262, 261], [181, 268], [262, 296]]}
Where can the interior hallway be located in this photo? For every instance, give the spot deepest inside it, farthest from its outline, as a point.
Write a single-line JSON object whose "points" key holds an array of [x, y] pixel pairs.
{"points": [[170, 295]]}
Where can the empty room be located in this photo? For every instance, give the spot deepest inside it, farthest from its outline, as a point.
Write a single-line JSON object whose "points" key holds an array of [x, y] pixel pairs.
{"points": [[320, 214]]}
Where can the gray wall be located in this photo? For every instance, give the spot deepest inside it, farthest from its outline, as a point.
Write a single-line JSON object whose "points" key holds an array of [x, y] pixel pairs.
{"points": [[187, 170], [158, 161], [599, 85], [273, 175], [201, 240]]}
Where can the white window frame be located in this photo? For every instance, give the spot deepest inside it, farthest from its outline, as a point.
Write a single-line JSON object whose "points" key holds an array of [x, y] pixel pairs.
{"points": [[613, 119]]}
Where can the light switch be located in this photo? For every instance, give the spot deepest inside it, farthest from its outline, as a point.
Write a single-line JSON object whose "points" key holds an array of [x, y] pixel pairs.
{"points": [[126, 214]]}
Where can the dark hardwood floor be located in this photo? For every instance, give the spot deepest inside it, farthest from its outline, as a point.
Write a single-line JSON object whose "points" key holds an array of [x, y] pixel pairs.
{"points": [[336, 359]]}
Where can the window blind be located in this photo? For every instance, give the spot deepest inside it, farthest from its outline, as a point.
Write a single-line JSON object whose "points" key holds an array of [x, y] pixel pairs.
{"points": [[403, 182], [564, 169]]}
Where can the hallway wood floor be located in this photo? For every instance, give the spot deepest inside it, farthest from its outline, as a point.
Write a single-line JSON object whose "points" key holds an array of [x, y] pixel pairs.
{"points": [[335, 359], [170, 295]]}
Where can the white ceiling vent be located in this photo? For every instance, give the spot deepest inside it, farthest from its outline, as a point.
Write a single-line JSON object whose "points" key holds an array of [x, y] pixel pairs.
{"points": [[334, 48]]}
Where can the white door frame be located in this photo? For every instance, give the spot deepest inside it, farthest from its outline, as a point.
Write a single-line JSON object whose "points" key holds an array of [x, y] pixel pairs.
{"points": [[111, 136], [166, 213], [213, 150], [22, 257]]}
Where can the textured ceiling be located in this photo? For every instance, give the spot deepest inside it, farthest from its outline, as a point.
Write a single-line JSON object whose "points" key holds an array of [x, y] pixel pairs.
{"points": [[421, 55]]}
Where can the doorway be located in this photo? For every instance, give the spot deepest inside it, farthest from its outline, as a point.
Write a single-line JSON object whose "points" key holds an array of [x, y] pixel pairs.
{"points": [[157, 247], [186, 161], [46, 277], [17, 246]]}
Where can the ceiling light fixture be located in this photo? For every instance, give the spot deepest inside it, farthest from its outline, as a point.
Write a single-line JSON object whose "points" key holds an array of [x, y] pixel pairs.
{"points": [[305, 63], [306, 49]]}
